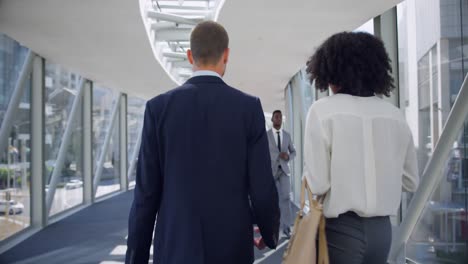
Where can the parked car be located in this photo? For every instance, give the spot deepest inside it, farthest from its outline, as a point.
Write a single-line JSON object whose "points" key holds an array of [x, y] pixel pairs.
{"points": [[73, 184], [12, 206]]}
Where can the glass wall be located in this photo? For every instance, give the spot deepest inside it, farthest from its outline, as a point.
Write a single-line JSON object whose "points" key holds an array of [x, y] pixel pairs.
{"points": [[299, 97], [433, 37], [135, 112], [104, 102], [61, 91], [63, 159], [15, 174]]}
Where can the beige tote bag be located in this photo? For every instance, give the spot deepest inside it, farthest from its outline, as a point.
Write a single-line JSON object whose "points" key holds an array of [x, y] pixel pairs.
{"points": [[302, 245]]}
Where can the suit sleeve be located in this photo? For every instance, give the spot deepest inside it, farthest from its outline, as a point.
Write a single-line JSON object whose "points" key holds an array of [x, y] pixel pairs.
{"points": [[292, 149], [262, 188], [147, 194]]}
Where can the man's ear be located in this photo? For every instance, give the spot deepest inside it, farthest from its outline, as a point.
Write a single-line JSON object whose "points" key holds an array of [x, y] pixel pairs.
{"points": [[190, 56], [226, 56]]}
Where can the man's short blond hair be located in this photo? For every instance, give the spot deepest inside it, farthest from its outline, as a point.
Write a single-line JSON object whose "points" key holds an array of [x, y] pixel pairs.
{"points": [[208, 42]]}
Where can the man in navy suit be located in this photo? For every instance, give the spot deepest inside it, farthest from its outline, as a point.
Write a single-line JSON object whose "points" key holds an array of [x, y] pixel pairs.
{"points": [[204, 168]]}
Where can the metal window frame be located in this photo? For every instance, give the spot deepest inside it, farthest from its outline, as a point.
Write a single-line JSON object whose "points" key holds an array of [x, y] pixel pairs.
{"points": [[33, 65], [123, 144], [88, 196], [38, 202]]}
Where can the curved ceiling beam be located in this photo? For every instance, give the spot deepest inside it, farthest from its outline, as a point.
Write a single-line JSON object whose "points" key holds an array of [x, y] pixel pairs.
{"points": [[103, 41]]}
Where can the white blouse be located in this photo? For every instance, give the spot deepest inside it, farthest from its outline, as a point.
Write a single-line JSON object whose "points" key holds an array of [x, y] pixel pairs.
{"points": [[360, 152]]}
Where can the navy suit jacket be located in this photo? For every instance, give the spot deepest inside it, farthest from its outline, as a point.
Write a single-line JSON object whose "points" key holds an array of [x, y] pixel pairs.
{"points": [[204, 170]]}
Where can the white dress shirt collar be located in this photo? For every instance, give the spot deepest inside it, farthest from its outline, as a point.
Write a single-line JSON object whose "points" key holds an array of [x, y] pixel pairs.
{"points": [[206, 73], [275, 134]]}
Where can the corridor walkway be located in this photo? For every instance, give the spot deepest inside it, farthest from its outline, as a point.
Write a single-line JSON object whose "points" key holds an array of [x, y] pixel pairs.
{"points": [[94, 235]]}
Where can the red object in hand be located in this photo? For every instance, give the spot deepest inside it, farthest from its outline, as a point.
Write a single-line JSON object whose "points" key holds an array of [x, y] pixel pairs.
{"points": [[256, 230], [259, 243]]}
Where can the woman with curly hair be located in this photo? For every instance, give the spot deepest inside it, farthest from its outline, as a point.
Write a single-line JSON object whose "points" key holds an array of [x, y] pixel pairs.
{"points": [[358, 148]]}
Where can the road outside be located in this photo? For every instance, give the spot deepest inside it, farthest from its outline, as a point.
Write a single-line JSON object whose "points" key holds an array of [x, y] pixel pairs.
{"points": [[64, 199]]}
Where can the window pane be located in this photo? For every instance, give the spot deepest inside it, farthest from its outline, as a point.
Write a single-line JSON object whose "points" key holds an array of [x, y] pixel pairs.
{"points": [[15, 174], [432, 66], [135, 112], [61, 91], [104, 100]]}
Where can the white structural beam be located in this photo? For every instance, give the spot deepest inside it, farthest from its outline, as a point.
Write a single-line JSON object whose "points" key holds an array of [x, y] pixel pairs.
{"points": [[163, 25], [123, 144], [185, 66], [87, 144], [184, 44], [192, 13], [182, 64], [64, 146], [173, 18], [13, 105], [178, 1], [105, 147], [432, 173], [176, 34], [173, 59], [183, 7], [38, 204], [175, 55]]}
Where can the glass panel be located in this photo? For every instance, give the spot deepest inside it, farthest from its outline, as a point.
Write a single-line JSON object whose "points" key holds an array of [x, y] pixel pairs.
{"points": [[135, 112], [307, 93], [104, 100], [61, 89], [432, 48], [15, 173], [442, 232]]}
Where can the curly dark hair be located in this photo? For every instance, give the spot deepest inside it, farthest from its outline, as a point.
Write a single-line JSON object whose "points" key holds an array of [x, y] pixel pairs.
{"points": [[356, 62]]}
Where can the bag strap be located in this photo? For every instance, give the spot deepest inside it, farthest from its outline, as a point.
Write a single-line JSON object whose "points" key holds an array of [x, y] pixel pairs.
{"points": [[303, 186], [312, 202], [323, 257]]}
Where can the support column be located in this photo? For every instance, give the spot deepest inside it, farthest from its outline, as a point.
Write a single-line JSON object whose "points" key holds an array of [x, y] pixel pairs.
{"points": [[38, 193], [123, 144], [385, 27], [87, 143]]}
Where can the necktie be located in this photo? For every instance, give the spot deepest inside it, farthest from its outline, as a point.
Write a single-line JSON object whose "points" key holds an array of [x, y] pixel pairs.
{"points": [[279, 141]]}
